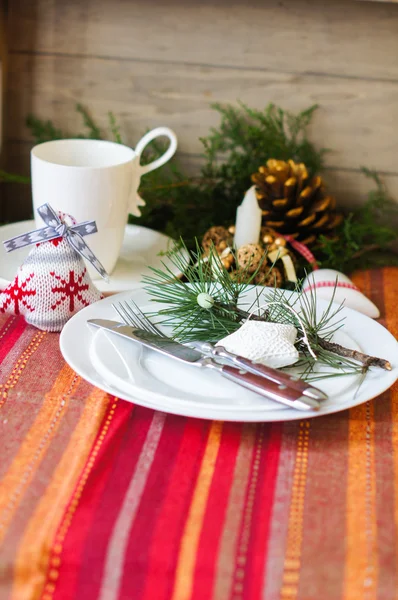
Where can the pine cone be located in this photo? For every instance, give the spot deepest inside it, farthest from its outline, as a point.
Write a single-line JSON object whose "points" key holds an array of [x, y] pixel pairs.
{"points": [[292, 203]]}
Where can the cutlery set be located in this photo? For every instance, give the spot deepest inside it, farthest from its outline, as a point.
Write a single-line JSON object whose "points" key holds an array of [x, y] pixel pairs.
{"points": [[268, 382]]}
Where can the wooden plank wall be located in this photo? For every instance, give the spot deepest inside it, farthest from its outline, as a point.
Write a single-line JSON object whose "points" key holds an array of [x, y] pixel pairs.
{"points": [[3, 69], [163, 62]]}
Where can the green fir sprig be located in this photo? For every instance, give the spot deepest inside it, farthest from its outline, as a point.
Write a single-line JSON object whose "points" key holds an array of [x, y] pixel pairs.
{"points": [[13, 178], [206, 276], [367, 234], [226, 309]]}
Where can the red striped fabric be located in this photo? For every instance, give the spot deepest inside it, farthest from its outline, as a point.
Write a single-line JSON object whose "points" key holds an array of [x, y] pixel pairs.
{"points": [[101, 499]]}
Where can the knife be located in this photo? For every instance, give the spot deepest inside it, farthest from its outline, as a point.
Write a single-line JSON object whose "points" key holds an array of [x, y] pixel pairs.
{"points": [[269, 389], [274, 375]]}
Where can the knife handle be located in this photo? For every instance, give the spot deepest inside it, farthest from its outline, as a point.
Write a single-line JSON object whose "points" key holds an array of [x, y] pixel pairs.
{"points": [[273, 391], [274, 375]]}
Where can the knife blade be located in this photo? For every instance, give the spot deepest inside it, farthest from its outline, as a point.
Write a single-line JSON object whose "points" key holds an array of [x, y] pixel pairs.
{"points": [[279, 377], [269, 389]]}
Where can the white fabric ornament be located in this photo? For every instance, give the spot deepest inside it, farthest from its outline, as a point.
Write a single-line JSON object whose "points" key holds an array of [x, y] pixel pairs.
{"points": [[323, 281], [270, 344], [50, 286]]}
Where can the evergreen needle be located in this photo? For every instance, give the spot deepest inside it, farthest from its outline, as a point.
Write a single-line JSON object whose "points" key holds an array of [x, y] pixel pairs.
{"points": [[206, 275]]}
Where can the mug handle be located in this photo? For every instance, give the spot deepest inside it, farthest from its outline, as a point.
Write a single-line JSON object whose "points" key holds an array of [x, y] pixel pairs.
{"points": [[135, 199], [148, 137]]}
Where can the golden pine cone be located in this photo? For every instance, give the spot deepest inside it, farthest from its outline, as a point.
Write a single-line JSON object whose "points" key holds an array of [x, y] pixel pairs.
{"points": [[294, 204]]}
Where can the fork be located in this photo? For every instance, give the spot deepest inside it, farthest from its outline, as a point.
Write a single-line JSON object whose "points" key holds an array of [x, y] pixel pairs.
{"points": [[131, 314]]}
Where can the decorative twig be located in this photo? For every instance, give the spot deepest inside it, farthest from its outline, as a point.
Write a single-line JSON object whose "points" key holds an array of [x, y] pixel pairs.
{"points": [[365, 359], [242, 313]]}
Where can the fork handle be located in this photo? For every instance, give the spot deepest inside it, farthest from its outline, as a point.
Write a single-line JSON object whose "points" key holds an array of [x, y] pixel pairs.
{"points": [[273, 391], [274, 375]]}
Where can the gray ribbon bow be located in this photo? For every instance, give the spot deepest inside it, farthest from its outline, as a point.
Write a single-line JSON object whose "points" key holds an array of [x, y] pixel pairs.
{"points": [[55, 228]]}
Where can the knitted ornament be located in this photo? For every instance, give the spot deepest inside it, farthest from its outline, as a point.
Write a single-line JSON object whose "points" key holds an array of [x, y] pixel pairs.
{"points": [[52, 284], [271, 344]]}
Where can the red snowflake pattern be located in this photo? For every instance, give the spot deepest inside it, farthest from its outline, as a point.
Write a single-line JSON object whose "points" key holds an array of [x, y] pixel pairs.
{"points": [[70, 288], [15, 293], [54, 242]]}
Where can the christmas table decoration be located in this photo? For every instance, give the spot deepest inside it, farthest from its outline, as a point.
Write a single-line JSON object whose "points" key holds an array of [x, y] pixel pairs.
{"points": [[270, 344], [52, 284], [237, 150], [219, 237], [248, 220], [293, 202], [250, 257], [272, 257], [333, 285], [210, 309]]}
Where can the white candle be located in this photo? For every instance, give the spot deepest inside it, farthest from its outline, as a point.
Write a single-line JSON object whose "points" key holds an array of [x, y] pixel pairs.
{"points": [[248, 220]]}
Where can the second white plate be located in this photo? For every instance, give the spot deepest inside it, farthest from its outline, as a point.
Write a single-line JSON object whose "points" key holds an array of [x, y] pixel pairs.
{"points": [[147, 378]]}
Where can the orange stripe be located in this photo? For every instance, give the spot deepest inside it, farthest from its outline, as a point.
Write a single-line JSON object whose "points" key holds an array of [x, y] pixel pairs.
{"points": [[292, 563], [361, 554], [244, 541], [394, 416], [55, 560], [230, 536], [362, 279], [33, 553], [390, 304], [193, 526], [20, 366], [34, 446], [10, 322], [390, 277]]}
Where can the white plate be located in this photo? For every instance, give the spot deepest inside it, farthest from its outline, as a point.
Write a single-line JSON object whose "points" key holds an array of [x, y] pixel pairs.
{"points": [[145, 377], [140, 249]]}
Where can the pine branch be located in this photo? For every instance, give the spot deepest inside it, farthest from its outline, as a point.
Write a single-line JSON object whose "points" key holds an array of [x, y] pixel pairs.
{"points": [[115, 129], [363, 235], [43, 131], [94, 131], [12, 178], [191, 321]]}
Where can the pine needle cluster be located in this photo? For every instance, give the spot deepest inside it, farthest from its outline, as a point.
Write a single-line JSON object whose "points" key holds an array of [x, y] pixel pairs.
{"points": [[366, 234], [228, 307]]}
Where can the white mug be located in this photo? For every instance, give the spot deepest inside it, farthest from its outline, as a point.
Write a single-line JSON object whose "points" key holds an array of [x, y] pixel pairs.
{"points": [[94, 179]]}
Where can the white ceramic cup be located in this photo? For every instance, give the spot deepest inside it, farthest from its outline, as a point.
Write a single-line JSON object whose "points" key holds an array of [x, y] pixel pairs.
{"points": [[94, 179]]}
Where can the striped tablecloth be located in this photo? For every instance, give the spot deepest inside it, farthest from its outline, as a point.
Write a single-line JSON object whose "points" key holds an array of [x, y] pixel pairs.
{"points": [[101, 499]]}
